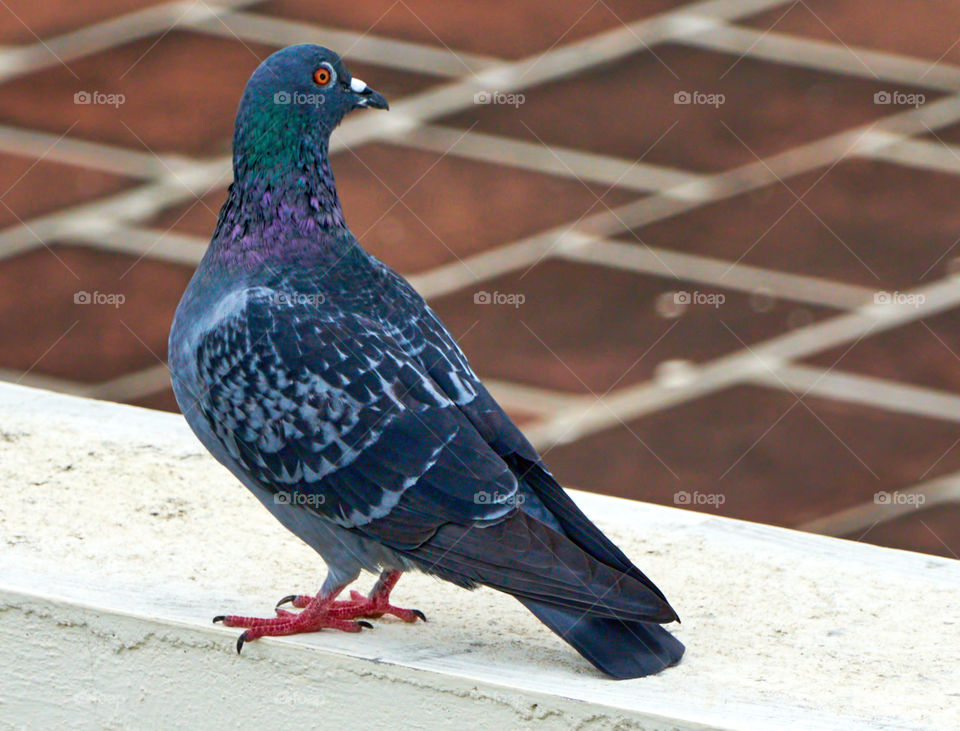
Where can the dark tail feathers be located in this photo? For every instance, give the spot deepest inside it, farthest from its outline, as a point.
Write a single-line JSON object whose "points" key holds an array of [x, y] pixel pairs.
{"points": [[620, 649]]}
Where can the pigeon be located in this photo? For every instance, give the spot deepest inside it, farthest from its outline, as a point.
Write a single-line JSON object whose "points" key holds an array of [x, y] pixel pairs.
{"points": [[324, 382]]}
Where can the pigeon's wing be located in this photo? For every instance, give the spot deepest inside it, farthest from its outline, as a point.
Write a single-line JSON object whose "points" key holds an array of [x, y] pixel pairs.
{"points": [[321, 405], [543, 497]]}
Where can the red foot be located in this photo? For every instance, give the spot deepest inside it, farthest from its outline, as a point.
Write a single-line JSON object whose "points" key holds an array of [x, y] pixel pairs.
{"points": [[315, 617], [373, 606], [324, 612]]}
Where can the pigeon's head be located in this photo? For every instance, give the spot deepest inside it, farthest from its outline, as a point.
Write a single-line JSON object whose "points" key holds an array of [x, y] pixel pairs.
{"points": [[306, 87]]}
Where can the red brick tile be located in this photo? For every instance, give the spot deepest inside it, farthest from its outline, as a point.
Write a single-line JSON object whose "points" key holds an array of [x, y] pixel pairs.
{"points": [[451, 207], [949, 135], [767, 108], [934, 530], [767, 459], [924, 353], [924, 28], [29, 188], [180, 93], [43, 327], [26, 21], [162, 401], [523, 28], [197, 217], [862, 224], [587, 328]]}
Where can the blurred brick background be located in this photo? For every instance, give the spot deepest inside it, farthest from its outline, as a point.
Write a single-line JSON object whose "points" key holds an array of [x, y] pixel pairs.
{"points": [[705, 253]]}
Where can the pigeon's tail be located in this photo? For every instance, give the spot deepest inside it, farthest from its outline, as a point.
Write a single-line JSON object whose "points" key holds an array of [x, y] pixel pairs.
{"points": [[620, 649], [609, 616]]}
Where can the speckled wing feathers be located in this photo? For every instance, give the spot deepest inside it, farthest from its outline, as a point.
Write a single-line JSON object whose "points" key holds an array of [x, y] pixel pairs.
{"points": [[323, 406]]}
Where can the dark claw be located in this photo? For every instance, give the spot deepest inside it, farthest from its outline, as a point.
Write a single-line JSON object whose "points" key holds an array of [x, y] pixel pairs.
{"points": [[367, 625], [419, 614], [240, 640], [288, 598], [219, 618]]}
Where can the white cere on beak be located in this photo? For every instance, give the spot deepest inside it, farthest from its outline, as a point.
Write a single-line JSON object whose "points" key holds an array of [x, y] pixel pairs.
{"points": [[357, 85]]}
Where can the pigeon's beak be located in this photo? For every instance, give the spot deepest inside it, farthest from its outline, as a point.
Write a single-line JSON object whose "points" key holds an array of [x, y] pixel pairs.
{"points": [[364, 96]]}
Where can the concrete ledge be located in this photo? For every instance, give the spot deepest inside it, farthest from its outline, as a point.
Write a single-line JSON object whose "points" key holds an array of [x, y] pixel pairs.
{"points": [[122, 538]]}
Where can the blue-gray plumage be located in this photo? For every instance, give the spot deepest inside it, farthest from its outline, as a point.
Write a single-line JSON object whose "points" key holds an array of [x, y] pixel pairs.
{"points": [[326, 384]]}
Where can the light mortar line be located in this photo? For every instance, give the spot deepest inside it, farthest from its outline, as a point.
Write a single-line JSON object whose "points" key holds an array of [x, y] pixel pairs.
{"points": [[170, 246], [742, 366], [133, 386], [717, 272], [921, 154], [365, 47], [540, 401], [73, 151], [117, 31], [875, 318], [463, 273], [553, 160], [879, 393], [129, 387], [853, 521], [878, 66], [47, 383]]}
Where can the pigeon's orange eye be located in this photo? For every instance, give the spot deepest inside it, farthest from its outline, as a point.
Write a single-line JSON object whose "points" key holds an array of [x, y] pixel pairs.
{"points": [[322, 76]]}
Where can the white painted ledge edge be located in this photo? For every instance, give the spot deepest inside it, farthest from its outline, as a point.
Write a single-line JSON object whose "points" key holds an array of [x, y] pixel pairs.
{"points": [[122, 538]]}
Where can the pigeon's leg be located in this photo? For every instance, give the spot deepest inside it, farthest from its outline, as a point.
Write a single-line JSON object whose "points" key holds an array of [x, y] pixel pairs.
{"points": [[373, 606], [323, 612]]}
